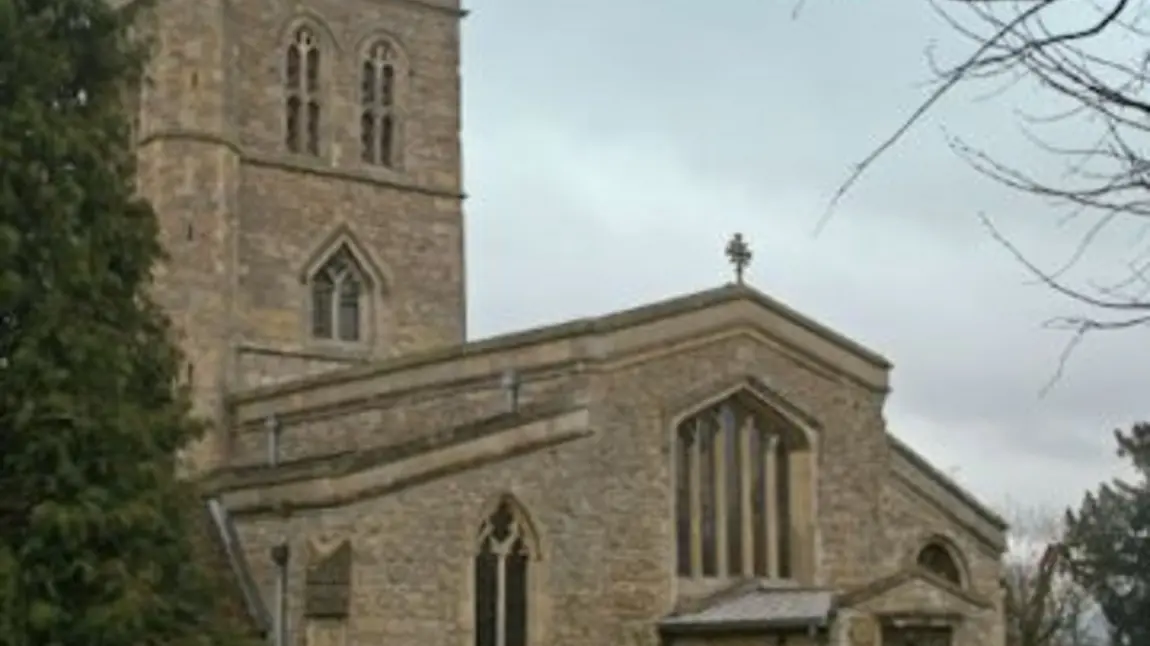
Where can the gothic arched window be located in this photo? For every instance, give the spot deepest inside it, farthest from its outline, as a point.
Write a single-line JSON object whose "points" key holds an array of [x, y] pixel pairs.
{"points": [[302, 93], [378, 118], [938, 560], [733, 494], [337, 292], [502, 562]]}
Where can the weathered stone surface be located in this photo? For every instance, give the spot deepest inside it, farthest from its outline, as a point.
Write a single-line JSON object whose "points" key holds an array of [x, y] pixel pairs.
{"points": [[602, 504], [328, 584], [241, 219], [244, 223]]}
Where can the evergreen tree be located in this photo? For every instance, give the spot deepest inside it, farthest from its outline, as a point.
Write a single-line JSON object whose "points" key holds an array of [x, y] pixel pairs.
{"points": [[96, 532], [1109, 544]]}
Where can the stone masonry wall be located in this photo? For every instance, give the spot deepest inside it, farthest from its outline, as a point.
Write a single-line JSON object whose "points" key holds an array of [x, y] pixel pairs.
{"points": [[910, 521], [408, 221], [397, 418], [262, 367], [241, 218], [601, 506]]}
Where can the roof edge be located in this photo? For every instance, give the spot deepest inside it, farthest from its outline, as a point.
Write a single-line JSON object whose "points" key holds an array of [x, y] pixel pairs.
{"points": [[353, 461], [884, 584], [573, 328], [946, 482], [748, 626]]}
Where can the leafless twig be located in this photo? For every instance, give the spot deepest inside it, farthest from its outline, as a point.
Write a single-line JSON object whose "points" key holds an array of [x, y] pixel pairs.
{"points": [[1091, 64]]}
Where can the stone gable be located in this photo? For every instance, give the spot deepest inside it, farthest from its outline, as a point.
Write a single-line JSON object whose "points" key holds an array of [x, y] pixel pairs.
{"points": [[598, 494]]}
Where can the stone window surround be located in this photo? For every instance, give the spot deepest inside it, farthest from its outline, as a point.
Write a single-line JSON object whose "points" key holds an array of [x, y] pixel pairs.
{"points": [[957, 557], [348, 275], [371, 298], [332, 59], [802, 482], [538, 601], [402, 69], [325, 46]]}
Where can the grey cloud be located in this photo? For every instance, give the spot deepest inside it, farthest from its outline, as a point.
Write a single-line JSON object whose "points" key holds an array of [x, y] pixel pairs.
{"points": [[611, 148]]}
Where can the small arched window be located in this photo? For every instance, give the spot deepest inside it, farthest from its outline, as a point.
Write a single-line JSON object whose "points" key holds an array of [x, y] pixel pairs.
{"points": [[938, 560], [337, 292], [378, 118], [502, 563], [301, 92]]}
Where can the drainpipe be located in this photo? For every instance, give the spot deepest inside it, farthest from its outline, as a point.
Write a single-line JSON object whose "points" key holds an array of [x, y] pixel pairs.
{"points": [[511, 384], [273, 440], [280, 555]]}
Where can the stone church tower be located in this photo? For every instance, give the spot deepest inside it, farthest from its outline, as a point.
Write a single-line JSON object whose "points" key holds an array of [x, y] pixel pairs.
{"points": [[711, 470], [307, 177]]}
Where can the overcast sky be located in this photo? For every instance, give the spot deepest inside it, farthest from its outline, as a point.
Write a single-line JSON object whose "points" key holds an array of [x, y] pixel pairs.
{"points": [[612, 146]]}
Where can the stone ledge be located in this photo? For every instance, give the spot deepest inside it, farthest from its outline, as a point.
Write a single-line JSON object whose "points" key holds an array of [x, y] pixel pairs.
{"points": [[600, 340], [244, 422], [351, 476], [253, 157]]}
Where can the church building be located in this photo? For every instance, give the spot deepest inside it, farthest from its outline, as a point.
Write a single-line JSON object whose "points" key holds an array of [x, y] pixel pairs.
{"points": [[711, 470]]}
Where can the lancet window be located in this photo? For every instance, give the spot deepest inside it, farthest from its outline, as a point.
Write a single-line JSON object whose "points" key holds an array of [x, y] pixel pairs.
{"points": [[378, 115], [502, 570], [302, 92]]}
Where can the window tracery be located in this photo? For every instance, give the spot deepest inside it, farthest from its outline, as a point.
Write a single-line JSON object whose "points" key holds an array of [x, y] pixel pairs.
{"points": [[337, 294], [733, 470], [378, 116], [502, 568], [302, 92], [937, 559]]}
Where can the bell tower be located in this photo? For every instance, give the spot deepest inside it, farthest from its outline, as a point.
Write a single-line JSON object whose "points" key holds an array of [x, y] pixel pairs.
{"points": [[304, 160]]}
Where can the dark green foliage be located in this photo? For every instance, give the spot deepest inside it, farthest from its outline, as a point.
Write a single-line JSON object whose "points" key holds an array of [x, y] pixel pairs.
{"points": [[95, 547], [1109, 544]]}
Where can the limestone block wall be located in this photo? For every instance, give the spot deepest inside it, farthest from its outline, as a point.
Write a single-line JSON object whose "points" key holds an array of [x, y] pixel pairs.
{"points": [[396, 417], [266, 367], [910, 521], [406, 221], [601, 506]]}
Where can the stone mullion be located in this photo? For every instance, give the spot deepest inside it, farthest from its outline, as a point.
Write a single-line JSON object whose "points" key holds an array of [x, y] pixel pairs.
{"points": [[377, 115], [501, 551], [719, 450], [695, 468], [333, 312], [772, 499], [746, 476]]}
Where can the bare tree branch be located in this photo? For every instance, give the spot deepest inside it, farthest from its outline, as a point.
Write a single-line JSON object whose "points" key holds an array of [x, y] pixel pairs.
{"points": [[951, 80], [1090, 62], [1043, 606]]}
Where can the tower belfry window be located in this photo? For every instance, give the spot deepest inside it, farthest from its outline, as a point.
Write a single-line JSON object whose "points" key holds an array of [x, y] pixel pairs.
{"points": [[378, 115], [302, 93]]}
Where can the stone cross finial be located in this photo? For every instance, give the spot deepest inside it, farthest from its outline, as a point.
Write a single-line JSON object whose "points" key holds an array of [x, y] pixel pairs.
{"points": [[739, 253], [511, 384]]}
